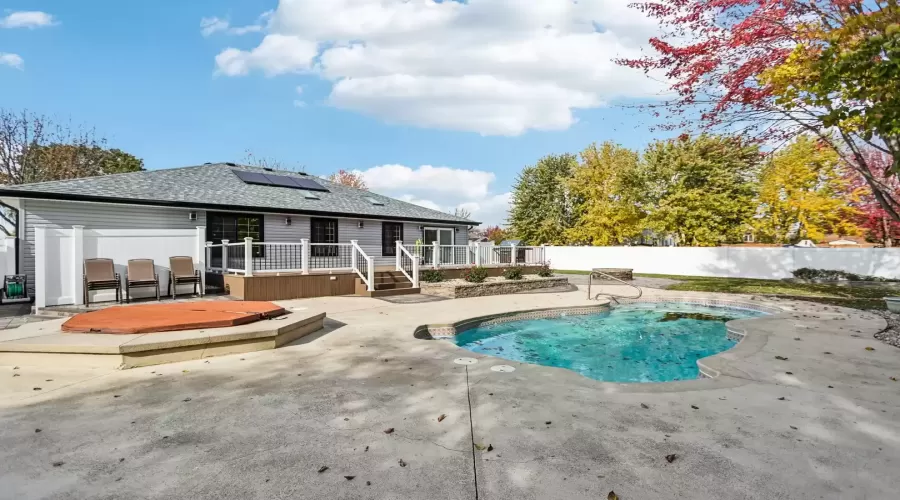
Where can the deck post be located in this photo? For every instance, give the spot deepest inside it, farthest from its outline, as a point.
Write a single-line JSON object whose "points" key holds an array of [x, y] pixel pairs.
{"points": [[224, 256], [304, 255], [398, 251], [248, 256], [436, 248], [370, 272], [514, 258], [415, 271], [77, 265], [353, 260], [208, 262]]}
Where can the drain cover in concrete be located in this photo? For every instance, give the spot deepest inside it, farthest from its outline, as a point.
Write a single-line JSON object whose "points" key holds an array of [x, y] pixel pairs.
{"points": [[465, 361], [503, 368]]}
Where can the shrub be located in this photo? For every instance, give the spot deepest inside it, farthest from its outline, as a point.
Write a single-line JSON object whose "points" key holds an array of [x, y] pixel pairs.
{"points": [[432, 276], [513, 273], [806, 273], [475, 274], [544, 270]]}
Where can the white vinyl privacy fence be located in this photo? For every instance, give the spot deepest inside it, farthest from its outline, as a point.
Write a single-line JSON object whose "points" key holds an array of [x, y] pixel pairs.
{"points": [[60, 254], [732, 262]]}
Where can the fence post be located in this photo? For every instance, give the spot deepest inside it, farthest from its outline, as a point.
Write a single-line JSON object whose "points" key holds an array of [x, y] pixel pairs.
{"points": [[40, 267], [208, 254], [399, 253], [477, 249], [248, 256], [304, 255], [514, 258], [77, 264], [224, 256], [436, 258], [353, 260]]}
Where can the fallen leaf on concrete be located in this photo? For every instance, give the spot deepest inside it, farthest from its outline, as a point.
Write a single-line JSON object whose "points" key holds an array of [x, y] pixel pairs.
{"points": [[184, 371], [389, 430], [548, 422], [367, 448], [490, 447], [792, 427], [121, 460], [782, 398], [645, 406], [15, 374], [401, 462], [612, 496], [368, 483], [671, 458], [442, 417], [323, 469], [788, 373], [49, 380], [37, 388], [796, 338], [349, 478], [695, 407], [58, 464], [781, 358], [37, 430], [831, 387], [894, 379], [870, 348], [186, 400], [117, 395], [479, 447]]}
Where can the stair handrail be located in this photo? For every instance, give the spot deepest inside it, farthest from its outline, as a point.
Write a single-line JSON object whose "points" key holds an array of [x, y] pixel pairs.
{"points": [[612, 278], [414, 279], [369, 277]]}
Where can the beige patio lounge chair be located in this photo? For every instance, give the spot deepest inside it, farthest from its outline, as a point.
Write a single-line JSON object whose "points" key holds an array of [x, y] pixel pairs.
{"points": [[181, 272], [100, 274], [141, 274]]}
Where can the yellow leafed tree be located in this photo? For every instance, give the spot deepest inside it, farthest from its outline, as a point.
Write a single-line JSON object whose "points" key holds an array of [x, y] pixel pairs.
{"points": [[804, 195], [605, 212]]}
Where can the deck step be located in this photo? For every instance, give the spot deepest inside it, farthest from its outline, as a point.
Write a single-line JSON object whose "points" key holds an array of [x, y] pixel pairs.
{"points": [[387, 293]]}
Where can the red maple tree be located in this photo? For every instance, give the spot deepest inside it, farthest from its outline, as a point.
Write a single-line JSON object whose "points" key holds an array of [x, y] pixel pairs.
{"points": [[873, 217], [716, 55], [351, 179]]}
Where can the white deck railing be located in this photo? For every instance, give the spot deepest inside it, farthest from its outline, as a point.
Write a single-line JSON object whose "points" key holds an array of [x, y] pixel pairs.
{"points": [[408, 264], [303, 257], [476, 255]]}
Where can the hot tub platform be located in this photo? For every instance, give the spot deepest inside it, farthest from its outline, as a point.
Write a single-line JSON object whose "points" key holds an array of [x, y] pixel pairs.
{"points": [[45, 343]]}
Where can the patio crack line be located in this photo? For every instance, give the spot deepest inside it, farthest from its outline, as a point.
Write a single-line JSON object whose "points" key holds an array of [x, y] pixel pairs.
{"points": [[472, 434]]}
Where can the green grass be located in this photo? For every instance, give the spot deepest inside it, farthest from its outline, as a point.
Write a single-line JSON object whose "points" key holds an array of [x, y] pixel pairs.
{"points": [[865, 297]]}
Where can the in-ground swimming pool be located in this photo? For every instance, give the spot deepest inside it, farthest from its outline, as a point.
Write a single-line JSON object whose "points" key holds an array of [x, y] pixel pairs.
{"points": [[632, 343]]}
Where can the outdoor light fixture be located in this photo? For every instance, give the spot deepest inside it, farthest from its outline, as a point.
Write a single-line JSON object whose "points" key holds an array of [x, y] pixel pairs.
{"points": [[192, 215], [288, 221], [360, 224]]}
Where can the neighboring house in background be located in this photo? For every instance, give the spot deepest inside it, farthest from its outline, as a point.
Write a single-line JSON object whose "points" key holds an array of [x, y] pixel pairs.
{"points": [[232, 202]]}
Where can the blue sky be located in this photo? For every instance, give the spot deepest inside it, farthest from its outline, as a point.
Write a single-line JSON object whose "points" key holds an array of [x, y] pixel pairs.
{"points": [[482, 88]]}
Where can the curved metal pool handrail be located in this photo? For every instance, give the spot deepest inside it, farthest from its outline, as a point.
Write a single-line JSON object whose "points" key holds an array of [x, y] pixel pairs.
{"points": [[613, 278]]}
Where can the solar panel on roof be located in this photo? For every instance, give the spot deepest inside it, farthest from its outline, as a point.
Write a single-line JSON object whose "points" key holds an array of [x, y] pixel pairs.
{"points": [[309, 184], [252, 177], [281, 180]]}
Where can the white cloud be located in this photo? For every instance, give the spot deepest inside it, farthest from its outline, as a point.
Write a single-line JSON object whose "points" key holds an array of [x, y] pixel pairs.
{"points": [[212, 25], [276, 55], [472, 184], [496, 67], [441, 188], [27, 19], [12, 60]]}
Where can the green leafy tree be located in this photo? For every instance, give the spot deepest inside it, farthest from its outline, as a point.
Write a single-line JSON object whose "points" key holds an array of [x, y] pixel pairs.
{"points": [[606, 207], [541, 210], [699, 189], [805, 193]]}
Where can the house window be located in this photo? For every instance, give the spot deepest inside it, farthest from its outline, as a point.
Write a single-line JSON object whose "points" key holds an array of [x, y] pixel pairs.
{"points": [[324, 231], [391, 232], [234, 228], [748, 237]]}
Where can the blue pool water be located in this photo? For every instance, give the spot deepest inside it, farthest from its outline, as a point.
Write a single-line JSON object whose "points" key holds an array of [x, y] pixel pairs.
{"points": [[628, 344]]}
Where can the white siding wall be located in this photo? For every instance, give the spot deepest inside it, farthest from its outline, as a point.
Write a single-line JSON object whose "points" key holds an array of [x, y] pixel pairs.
{"points": [[63, 214]]}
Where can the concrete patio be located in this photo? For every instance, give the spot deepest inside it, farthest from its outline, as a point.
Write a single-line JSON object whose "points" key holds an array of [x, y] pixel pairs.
{"points": [[263, 424]]}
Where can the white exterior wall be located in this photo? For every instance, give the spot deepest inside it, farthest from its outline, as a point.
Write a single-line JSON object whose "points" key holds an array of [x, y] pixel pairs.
{"points": [[736, 262]]}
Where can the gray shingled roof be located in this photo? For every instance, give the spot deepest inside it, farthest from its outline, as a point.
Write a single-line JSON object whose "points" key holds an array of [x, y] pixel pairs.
{"points": [[215, 185]]}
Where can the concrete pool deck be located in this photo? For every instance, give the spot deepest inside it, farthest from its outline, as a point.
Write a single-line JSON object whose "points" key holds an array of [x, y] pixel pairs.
{"points": [[262, 424]]}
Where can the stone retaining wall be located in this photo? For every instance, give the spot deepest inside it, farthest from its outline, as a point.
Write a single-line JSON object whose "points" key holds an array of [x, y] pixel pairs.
{"points": [[460, 290]]}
